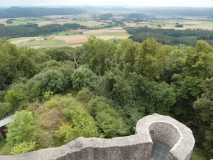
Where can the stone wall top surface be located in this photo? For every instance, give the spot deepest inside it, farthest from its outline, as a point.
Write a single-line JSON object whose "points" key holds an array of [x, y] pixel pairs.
{"points": [[132, 147], [184, 137]]}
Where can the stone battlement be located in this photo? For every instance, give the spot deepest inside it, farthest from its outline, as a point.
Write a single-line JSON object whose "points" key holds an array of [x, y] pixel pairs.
{"points": [[135, 147]]}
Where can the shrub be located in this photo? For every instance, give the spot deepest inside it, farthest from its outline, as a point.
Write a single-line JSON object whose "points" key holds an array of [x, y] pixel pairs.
{"points": [[82, 78], [53, 81], [23, 147]]}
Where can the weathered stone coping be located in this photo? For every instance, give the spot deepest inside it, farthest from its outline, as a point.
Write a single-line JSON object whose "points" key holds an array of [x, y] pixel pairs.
{"points": [[135, 147], [168, 130]]}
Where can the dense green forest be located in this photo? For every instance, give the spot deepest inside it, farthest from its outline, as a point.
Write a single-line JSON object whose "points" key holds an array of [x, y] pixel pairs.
{"points": [[31, 30], [15, 12], [187, 37], [102, 89]]}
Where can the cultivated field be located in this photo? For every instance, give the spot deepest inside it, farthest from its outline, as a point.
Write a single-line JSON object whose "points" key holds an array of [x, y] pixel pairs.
{"points": [[70, 38], [187, 24], [77, 37]]}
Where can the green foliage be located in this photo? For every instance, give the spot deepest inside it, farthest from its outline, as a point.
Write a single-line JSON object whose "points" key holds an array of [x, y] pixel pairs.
{"points": [[5, 148], [108, 120], [198, 154], [16, 96], [15, 31], [82, 78], [5, 108], [53, 81], [34, 88], [190, 83], [27, 66], [23, 147], [96, 51], [107, 124], [153, 97], [82, 124], [8, 64], [48, 95], [23, 129], [2, 95], [126, 54], [204, 106], [187, 37], [58, 54], [135, 80], [114, 86], [151, 59], [84, 95]]}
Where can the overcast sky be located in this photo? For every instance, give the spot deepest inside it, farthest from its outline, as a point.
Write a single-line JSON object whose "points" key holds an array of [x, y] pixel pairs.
{"points": [[191, 3]]}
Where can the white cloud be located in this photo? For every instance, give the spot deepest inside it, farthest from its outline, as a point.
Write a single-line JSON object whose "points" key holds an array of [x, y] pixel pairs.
{"points": [[196, 3]]}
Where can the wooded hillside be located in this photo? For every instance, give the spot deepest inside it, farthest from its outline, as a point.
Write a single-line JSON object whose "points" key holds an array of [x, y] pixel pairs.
{"points": [[102, 89]]}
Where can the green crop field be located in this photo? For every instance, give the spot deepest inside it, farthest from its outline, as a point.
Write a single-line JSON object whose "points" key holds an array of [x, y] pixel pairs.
{"points": [[63, 33], [50, 43]]}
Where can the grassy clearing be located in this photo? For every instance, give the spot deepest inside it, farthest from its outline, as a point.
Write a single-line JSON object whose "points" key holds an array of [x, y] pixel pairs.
{"points": [[187, 24], [15, 39], [63, 33], [50, 43], [33, 43], [24, 21]]}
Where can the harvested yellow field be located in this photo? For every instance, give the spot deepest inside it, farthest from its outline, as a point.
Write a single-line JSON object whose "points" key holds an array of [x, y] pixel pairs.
{"points": [[121, 37], [198, 27], [106, 37], [72, 39], [192, 22], [115, 31]]}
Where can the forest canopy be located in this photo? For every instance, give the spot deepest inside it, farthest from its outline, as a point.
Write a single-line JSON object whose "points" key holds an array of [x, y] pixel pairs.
{"points": [[186, 37], [102, 89]]}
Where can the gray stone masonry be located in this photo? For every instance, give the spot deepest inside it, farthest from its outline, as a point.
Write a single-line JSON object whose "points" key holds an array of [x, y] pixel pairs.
{"points": [[136, 147]]}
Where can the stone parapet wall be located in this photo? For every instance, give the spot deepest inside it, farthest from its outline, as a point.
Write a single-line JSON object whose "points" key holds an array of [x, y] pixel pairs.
{"points": [[121, 148], [168, 130], [135, 147], [165, 132]]}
